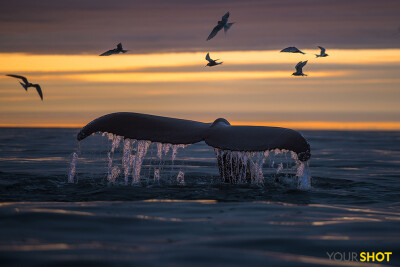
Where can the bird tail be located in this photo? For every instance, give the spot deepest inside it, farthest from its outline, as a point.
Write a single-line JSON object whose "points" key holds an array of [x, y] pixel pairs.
{"points": [[25, 87], [317, 55], [228, 26]]}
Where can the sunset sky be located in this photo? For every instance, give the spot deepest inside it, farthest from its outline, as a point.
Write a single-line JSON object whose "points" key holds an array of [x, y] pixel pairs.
{"points": [[57, 43]]}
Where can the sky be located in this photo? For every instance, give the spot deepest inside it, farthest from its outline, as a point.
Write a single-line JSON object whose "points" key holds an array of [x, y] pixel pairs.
{"points": [[57, 43]]}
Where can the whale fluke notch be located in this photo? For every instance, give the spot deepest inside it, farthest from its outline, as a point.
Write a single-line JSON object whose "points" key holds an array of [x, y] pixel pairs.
{"points": [[219, 134], [220, 121]]}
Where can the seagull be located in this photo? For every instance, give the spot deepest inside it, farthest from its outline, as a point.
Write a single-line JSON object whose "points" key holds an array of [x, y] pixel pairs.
{"points": [[223, 23], [292, 49], [27, 84], [299, 68], [323, 54], [211, 62], [115, 51]]}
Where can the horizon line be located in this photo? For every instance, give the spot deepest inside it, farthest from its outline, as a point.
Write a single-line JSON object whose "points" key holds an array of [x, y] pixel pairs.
{"points": [[298, 125]]}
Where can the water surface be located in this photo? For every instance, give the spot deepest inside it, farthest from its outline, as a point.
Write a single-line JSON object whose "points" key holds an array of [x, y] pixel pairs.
{"points": [[353, 205]]}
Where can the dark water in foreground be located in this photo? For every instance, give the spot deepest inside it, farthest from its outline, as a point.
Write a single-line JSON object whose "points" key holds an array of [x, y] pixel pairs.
{"points": [[353, 206]]}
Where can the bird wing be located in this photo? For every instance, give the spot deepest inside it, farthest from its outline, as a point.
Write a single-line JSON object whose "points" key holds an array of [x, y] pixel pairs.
{"points": [[304, 63], [208, 58], [119, 46], [39, 90], [288, 49], [24, 85], [291, 49], [108, 53], [227, 26], [19, 77], [214, 32], [225, 18], [299, 66], [322, 50]]}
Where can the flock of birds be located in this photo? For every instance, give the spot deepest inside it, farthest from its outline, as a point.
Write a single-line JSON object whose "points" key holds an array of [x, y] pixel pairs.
{"points": [[301, 64], [222, 24]]}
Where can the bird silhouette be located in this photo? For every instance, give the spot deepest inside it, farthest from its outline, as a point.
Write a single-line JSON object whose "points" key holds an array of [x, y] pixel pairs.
{"points": [[299, 68], [115, 51], [27, 84], [292, 49], [211, 62], [322, 54], [222, 24]]}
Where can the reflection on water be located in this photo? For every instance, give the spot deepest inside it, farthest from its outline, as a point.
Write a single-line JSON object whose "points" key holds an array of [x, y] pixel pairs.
{"points": [[202, 201], [167, 230]]}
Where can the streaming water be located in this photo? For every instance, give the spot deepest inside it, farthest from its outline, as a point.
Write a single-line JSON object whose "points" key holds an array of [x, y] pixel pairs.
{"points": [[235, 167], [180, 179], [72, 168], [141, 150]]}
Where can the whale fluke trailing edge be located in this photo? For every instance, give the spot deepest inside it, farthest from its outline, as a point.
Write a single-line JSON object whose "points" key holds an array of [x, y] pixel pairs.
{"points": [[219, 134]]}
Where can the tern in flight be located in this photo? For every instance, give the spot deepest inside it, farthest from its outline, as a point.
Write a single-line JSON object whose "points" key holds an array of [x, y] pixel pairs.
{"points": [[211, 62], [115, 51], [299, 68], [292, 49], [223, 23], [27, 84], [323, 54]]}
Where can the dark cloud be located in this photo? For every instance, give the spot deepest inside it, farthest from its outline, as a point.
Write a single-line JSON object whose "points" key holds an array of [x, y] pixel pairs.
{"points": [[91, 26]]}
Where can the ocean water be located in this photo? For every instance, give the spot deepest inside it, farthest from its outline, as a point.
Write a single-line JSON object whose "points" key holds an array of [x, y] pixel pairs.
{"points": [[195, 219]]}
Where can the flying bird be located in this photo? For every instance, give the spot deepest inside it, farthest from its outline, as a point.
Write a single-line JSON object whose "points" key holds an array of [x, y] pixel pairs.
{"points": [[211, 62], [223, 23], [323, 54], [115, 51], [27, 84], [299, 68], [292, 49]]}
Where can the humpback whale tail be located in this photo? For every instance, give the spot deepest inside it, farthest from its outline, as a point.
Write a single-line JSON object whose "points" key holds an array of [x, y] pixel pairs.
{"points": [[232, 144]]}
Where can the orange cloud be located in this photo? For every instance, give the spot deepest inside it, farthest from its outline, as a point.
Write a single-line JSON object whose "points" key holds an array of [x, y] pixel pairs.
{"points": [[16, 62], [88, 86]]}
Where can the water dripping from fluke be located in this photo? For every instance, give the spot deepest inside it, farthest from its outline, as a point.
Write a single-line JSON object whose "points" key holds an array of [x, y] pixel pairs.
{"points": [[72, 168]]}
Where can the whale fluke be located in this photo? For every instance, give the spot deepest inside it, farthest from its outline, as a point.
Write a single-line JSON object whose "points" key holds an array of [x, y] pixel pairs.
{"points": [[257, 138], [220, 134], [147, 127]]}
